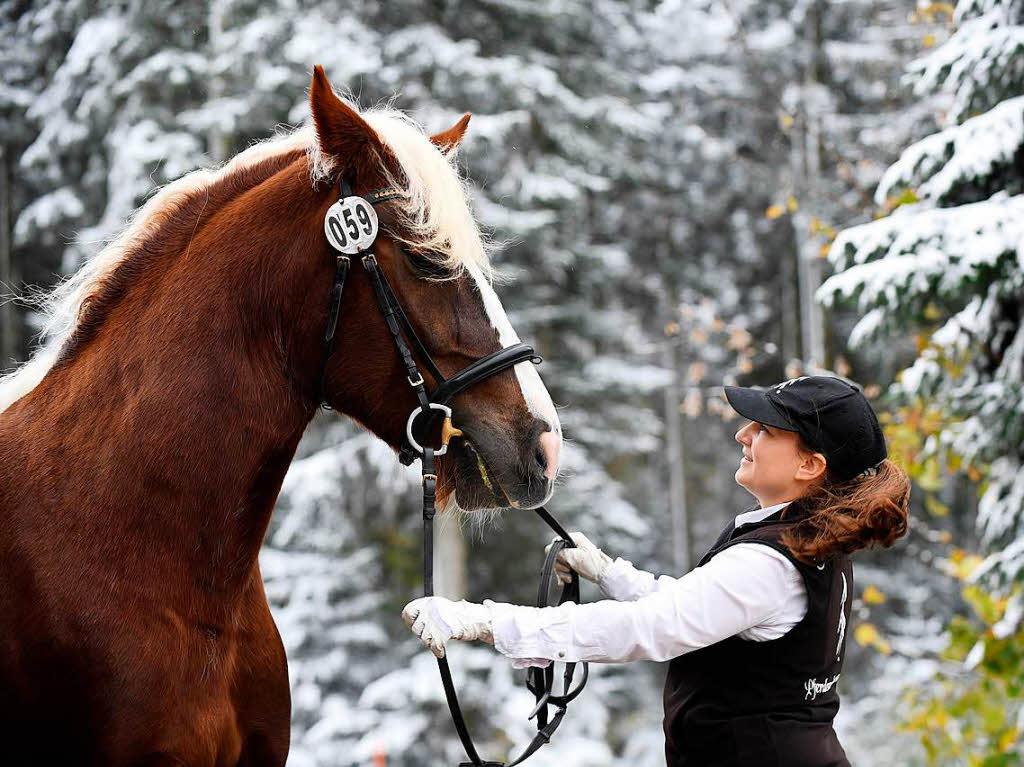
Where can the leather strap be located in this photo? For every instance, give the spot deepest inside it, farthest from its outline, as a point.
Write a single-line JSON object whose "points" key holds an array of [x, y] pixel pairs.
{"points": [[334, 308], [539, 681]]}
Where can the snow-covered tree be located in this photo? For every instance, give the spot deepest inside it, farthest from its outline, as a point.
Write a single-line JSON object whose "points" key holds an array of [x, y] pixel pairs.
{"points": [[948, 262], [946, 266]]}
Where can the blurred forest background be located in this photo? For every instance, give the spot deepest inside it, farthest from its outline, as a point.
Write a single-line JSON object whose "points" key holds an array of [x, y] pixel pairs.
{"points": [[688, 193]]}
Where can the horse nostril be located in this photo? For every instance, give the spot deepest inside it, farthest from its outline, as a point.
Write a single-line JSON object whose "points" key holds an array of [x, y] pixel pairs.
{"points": [[548, 447]]}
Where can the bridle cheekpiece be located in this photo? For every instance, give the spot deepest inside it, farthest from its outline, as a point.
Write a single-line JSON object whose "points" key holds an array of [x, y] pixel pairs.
{"points": [[351, 227]]}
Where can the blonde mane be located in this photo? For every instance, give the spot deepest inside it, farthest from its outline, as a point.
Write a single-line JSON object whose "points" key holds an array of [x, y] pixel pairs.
{"points": [[436, 217]]}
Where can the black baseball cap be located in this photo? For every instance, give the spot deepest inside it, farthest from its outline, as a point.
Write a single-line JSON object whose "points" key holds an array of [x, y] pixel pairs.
{"points": [[831, 415]]}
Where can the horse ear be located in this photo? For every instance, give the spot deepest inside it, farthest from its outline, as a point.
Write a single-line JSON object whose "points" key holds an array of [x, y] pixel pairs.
{"points": [[448, 140], [341, 133]]}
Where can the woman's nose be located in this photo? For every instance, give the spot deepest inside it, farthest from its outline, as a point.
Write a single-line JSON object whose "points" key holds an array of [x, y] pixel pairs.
{"points": [[741, 435]]}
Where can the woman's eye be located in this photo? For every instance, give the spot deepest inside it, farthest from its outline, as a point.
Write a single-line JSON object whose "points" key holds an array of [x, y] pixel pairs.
{"points": [[761, 427]]}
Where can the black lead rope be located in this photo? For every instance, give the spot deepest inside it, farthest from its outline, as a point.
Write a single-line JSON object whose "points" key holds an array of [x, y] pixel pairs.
{"points": [[539, 681]]}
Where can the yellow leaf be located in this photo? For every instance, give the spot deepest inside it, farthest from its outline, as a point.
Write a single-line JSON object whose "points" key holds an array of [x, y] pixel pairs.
{"points": [[672, 329], [928, 41], [964, 565], [792, 204], [785, 120], [873, 596], [1007, 739], [935, 507], [774, 211], [865, 634]]}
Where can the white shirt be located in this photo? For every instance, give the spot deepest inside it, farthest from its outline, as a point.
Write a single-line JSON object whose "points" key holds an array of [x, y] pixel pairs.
{"points": [[749, 589]]}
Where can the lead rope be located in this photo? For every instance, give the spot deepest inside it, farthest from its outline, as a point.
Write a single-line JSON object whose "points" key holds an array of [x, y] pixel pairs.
{"points": [[538, 680]]}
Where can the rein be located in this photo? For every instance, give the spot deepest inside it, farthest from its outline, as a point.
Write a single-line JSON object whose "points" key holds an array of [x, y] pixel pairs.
{"points": [[351, 228]]}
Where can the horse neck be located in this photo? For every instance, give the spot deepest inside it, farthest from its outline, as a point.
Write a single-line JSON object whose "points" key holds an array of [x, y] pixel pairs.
{"points": [[187, 412]]}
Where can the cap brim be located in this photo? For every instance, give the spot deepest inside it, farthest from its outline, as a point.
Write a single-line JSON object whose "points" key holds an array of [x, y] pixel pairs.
{"points": [[754, 404]]}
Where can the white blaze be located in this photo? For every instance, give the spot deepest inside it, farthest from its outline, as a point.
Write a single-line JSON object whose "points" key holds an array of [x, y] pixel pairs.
{"points": [[534, 392]]}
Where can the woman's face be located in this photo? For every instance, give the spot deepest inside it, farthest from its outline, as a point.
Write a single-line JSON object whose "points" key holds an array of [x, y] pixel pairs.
{"points": [[774, 467]]}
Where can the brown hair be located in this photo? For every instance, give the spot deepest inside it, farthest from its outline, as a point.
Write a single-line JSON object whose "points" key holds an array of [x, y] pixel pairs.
{"points": [[851, 515]]}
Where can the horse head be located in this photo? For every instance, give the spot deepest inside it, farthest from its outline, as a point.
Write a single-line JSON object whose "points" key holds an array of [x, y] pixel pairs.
{"points": [[431, 252]]}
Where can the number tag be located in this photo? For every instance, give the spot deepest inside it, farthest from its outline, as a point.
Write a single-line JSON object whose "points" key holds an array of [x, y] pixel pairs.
{"points": [[351, 225]]}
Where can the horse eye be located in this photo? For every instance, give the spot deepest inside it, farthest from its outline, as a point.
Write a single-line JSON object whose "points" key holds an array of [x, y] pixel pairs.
{"points": [[425, 265]]}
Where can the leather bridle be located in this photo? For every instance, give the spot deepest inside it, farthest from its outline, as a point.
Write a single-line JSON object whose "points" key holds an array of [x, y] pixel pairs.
{"points": [[539, 681]]}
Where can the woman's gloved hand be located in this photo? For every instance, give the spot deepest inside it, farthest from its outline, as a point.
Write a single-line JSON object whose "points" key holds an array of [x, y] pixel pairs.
{"points": [[586, 559], [435, 620]]}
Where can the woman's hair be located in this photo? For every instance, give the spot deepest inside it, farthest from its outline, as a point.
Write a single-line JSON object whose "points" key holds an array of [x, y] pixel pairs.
{"points": [[846, 516]]}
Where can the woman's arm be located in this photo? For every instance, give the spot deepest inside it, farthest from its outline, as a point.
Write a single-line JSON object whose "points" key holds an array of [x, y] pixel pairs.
{"points": [[617, 580], [743, 587], [623, 582]]}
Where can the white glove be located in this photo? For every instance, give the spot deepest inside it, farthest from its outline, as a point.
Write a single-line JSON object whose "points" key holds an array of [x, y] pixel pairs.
{"points": [[435, 620], [586, 559]]}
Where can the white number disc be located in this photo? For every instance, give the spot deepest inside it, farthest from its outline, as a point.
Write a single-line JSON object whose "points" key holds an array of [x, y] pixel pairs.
{"points": [[351, 225]]}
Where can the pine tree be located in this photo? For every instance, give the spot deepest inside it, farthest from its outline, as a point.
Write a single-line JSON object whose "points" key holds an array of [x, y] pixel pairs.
{"points": [[948, 262]]}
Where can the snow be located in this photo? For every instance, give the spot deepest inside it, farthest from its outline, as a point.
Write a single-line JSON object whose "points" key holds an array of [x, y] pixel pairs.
{"points": [[42, 215], [960, 154]]}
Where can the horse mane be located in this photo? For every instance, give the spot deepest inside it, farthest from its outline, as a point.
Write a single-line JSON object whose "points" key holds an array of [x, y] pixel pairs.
{"points": [[436, 217]]}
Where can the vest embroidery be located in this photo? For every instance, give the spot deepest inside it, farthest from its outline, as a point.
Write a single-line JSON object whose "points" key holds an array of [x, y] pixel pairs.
{"points": [[842, 619], [813, 686]]}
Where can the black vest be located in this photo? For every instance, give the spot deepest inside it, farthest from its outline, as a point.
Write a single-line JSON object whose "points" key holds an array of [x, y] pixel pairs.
{"points": [[742, 703]]}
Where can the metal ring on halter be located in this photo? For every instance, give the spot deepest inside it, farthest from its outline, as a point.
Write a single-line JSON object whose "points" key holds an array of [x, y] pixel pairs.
{"points": [[412, 419]]}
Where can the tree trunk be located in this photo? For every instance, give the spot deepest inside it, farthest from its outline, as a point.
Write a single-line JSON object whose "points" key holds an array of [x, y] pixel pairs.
{"points": [[8, 331], [675, 455], [216, 140], [449, 558], [806, 167]]}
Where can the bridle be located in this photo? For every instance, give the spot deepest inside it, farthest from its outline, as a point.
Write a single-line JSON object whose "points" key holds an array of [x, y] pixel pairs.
{"points": [[352, 234]]}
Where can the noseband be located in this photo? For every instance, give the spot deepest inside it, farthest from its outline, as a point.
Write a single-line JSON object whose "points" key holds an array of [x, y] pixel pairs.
{"points": [[351, 228]]}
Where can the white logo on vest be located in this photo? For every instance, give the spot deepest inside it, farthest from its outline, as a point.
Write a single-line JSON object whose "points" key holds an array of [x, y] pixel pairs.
{"points": [[813, 686], [842, 619]]}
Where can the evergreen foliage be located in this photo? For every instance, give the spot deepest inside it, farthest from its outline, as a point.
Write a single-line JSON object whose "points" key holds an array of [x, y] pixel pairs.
{"points": [[949, 262]]}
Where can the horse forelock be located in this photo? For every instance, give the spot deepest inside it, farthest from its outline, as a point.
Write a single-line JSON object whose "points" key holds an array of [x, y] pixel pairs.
{"points": [[435, 219]]}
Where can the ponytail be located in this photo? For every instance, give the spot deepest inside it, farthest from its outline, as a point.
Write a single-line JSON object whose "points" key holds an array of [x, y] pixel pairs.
{"points": [[867, 510]]}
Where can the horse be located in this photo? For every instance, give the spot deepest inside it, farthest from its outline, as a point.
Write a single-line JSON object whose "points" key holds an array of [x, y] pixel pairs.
{"points": [[142, 448]]}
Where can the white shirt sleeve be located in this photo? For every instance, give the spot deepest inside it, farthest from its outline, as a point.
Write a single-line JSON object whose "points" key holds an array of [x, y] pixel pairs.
{"points": [[748, 589], [625, 583]]}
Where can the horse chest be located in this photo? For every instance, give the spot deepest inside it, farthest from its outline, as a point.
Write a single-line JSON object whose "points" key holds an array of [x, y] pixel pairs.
{"points": [[113, 684]]}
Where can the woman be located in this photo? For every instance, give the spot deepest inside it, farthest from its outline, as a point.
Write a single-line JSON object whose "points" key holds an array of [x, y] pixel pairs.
{"points": [[756, 632]]}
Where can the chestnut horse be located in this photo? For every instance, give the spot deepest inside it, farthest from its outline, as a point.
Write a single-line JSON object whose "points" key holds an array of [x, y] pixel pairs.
{"points": [[142, 450]]}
